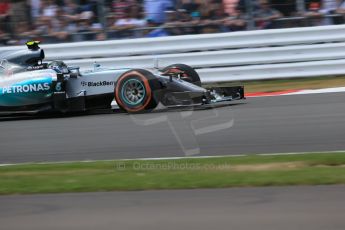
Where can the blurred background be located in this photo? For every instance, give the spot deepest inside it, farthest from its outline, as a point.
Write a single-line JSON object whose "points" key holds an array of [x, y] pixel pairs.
{"points": [[56, 21]]}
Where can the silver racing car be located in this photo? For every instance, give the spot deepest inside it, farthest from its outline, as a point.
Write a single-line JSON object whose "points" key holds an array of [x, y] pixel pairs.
{"points": [[27, 84]]}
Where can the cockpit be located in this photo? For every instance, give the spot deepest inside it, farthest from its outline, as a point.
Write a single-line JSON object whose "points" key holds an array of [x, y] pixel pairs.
{"points": [[29, 57], [59, 67], [12, 62]]}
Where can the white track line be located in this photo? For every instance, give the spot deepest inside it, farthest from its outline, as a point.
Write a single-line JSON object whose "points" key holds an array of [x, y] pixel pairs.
{"points": [[170, 158], [312, 91], [302, 92], [315, 91]]}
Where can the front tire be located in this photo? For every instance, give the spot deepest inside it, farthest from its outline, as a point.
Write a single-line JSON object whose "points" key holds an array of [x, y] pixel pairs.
{"points": [[189, 74], [135, 91]]}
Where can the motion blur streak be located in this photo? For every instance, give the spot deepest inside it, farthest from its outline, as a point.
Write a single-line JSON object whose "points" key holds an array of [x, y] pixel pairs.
{"points": [[298, 123], [284, 208]]}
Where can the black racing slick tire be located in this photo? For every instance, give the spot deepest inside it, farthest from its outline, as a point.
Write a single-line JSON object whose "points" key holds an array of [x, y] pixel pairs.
{"points": [[135, 91], [189, 74]]}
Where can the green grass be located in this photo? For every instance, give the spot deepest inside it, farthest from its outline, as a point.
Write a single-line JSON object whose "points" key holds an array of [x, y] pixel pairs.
{"points": [[305, 169], [287, 84]]}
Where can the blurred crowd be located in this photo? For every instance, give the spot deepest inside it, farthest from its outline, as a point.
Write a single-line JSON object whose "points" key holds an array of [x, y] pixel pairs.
{"points": [[81, 20]]}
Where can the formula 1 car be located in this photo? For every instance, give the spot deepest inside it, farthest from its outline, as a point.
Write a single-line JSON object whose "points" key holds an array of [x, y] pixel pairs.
{"points": [[27, 84]]}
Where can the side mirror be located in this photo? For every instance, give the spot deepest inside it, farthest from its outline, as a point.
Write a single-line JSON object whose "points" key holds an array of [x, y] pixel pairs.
{"points": [[74, 72], [74, 75]]}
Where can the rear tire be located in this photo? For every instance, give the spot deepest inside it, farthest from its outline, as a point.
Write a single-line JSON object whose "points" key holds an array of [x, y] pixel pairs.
{"points": [[189, 74], [134, 91]]}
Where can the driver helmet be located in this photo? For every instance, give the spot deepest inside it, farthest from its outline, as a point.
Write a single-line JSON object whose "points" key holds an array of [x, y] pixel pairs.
{"points": [[59, 67]]}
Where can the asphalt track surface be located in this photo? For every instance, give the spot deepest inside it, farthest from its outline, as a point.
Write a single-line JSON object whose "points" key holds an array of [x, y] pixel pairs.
{"points": [[307, 208], [257, 125]]}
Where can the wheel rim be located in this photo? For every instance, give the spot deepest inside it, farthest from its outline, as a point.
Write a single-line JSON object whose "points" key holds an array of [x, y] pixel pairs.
{"points": [[133, 92]]}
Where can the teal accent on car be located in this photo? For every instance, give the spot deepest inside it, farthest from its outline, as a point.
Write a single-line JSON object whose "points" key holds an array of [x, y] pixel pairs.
{"points": [[136, 85], [29, 92]]}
